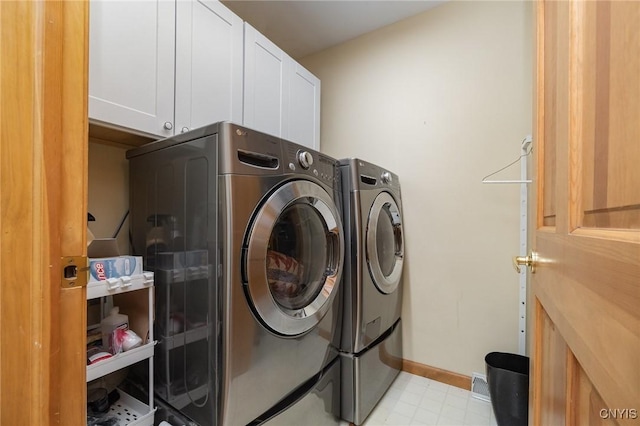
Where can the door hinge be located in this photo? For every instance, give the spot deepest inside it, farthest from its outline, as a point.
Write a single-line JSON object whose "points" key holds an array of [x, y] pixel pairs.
{"points": [[75, 271]]}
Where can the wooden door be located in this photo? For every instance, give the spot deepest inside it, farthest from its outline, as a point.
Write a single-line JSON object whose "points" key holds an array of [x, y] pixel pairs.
{"points": [[586, 287], [43, 213]]}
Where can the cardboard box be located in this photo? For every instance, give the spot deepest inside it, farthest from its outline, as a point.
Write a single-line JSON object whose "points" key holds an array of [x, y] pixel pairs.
{"points": [[114, 267], [105, 261]]}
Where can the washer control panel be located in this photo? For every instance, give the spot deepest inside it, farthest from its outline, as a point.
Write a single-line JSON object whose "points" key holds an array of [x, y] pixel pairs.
{"points": [[366, 175], [306, 161]]}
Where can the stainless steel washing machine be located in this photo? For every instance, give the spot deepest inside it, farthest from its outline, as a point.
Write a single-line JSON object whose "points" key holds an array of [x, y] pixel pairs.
{"points": [[267, 215], [371, 345], [282, 259]]}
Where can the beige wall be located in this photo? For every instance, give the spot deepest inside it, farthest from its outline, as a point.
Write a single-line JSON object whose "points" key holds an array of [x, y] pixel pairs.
{"points": [[443, 99], [109, 192]]}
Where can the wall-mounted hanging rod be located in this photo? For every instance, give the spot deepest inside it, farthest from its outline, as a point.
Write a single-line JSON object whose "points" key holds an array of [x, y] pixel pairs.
{"points": [[506, 181], [526, 150]]}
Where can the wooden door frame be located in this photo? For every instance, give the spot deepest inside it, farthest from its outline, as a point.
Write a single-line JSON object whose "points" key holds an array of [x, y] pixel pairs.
{"points": [[43, 209]]}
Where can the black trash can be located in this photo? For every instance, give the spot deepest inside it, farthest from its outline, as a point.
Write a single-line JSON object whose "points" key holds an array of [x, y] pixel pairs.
{"points": [[508, 380]]}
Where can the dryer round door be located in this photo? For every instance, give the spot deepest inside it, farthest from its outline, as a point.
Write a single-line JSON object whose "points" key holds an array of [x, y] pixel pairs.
{"points": [[385, 246], [293, 259]]}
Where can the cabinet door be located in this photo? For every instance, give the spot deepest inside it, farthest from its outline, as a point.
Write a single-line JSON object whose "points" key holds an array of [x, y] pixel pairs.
{"points": [[131, 65], [208, 64], [265, 83], [301, 123]]}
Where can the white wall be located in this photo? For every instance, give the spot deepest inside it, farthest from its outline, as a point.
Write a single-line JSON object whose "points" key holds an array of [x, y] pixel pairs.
{"points": [[443, 99]]}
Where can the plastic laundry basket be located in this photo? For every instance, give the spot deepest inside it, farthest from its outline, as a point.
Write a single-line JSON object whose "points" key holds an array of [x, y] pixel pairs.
{"points": [[508, 380]]}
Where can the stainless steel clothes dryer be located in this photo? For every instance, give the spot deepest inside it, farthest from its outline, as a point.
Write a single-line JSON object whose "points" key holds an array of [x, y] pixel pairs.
{"points": [[266, 215], [371, 346]]}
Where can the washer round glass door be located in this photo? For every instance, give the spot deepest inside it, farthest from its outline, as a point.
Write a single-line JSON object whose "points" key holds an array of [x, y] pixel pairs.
{"points": [[385, 246], [294, 257]]}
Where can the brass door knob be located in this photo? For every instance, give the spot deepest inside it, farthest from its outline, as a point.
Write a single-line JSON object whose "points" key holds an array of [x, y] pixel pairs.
{"points": [[531, 261]]}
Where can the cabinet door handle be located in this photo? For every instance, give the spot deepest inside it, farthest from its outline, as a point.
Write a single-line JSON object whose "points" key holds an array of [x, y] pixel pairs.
{"points": [[168, 125], [184, 130]]}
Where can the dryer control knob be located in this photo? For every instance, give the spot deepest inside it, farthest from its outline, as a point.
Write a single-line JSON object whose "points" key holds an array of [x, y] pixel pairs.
{"points": [[305, 159], [386, 177]]}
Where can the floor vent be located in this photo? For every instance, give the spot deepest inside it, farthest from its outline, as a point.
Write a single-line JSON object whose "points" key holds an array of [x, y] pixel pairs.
{"points": [[479, 387]]}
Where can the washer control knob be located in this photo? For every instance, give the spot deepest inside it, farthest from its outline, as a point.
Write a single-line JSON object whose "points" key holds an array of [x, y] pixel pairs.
{"points": [[305, 159], [386, 177]]}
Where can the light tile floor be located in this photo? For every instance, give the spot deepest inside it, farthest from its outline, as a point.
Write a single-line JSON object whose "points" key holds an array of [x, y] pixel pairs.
{"points": [[415, 400]]}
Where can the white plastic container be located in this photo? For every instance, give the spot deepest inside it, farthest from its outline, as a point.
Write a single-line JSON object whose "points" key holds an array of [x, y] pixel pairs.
{"points": [[130, 340], [115, 320]]}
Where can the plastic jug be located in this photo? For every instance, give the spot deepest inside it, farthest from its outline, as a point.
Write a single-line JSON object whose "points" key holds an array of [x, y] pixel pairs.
{"points": [[115, 320]]}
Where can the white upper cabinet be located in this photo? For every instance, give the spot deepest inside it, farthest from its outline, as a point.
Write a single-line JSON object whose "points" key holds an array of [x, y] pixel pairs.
{"points": [[264, 83], [159, 68], [302, 123], [136, 82], [131, 64], [280, 96], [208, 64]]}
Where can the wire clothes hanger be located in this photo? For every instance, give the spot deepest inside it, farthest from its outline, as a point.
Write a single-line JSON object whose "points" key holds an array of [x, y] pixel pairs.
{"points": [[527, 147]]}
